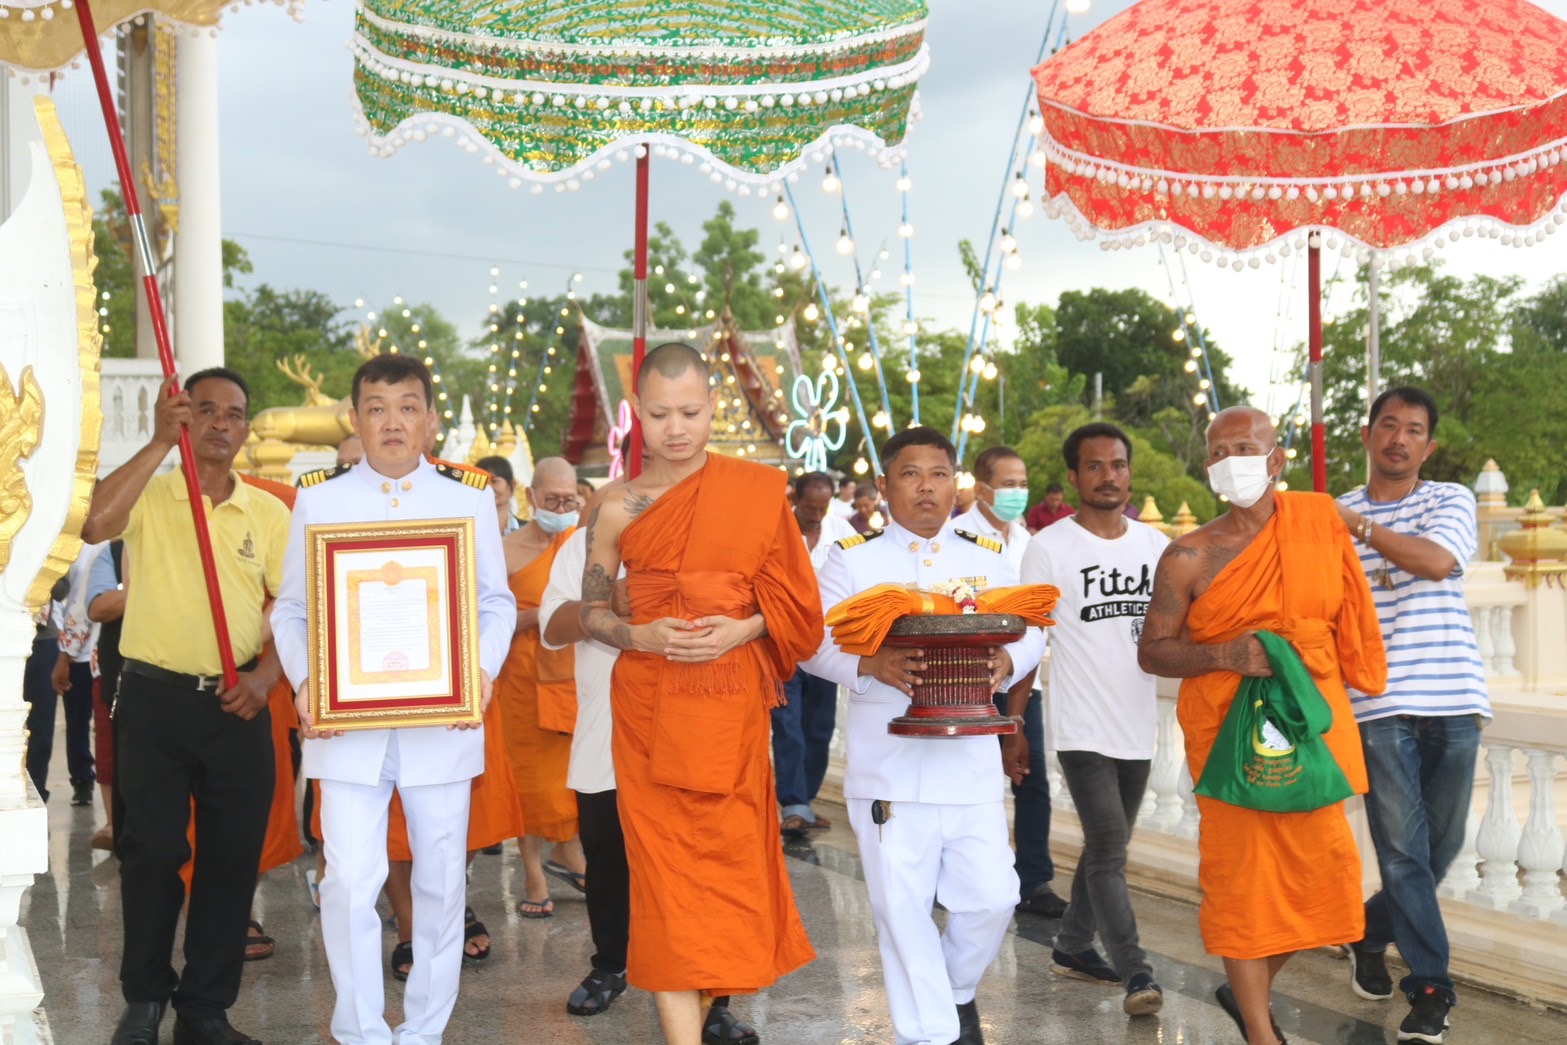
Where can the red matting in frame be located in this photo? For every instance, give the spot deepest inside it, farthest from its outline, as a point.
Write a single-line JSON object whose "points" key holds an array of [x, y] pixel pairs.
{"points": [[454, 701]]}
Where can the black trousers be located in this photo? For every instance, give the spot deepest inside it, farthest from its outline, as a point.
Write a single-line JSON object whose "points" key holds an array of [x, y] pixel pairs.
{"points": [[609, 881], [175, 746]]}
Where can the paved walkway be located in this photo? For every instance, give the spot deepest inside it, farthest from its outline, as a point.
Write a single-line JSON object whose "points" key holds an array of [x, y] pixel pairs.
{"points": [[518, 995]]}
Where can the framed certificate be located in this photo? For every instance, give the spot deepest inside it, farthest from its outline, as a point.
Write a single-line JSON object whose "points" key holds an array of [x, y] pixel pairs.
{"points": [[393, 623]]}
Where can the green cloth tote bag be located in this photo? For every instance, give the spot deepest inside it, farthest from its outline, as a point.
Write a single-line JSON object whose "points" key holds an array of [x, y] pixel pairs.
{"points": [[1269, 754]]}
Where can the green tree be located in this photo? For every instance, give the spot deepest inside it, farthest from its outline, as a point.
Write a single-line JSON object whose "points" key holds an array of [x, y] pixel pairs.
{"points": [[1143, 349], [731, 270], [1156, 472], [1539, 324], [115, 277], [302, 329], [1438, 332]]}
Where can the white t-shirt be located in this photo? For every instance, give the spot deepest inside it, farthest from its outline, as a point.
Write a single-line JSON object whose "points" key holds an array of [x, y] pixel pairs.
{"points": [[833, 529], [840, 508], [1100, 700], [592, 766], [1015, 537]]}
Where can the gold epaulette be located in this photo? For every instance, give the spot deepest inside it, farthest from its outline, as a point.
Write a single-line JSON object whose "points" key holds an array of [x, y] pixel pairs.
{"points": [[988, 543], [467, 476], [858, 539], [321, 475]]}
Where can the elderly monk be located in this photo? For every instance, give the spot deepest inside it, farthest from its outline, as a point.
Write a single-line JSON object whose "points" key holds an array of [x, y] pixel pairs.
{"points": [[538, 695], [1272, 883], [720, 615]]}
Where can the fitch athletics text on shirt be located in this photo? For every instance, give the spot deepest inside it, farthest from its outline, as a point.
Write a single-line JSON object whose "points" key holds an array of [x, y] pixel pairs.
{"points": [[1109, 584]]}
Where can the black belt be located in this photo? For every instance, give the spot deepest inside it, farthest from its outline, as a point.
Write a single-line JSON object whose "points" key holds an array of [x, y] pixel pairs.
{"points": [[202, 683]]}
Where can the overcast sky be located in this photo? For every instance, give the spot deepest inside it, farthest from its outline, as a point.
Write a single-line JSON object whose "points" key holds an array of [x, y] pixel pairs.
{"points": [[303, 195]]}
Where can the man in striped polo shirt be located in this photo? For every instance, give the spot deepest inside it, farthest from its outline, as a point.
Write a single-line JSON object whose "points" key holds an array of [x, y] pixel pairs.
{"points": [[1421, 735]]}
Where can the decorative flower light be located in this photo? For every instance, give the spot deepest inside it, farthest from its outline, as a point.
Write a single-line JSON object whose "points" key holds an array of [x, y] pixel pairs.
{"points": [[619, 432], [809, 438]]}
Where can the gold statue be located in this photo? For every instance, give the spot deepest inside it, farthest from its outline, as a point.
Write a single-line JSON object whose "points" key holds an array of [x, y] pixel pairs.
{"points": [[21, 424]]}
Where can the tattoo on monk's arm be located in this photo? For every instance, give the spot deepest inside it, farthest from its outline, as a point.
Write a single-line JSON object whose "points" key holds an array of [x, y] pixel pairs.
{"points": [[1163, 650], [598, 620], [636, 504]]}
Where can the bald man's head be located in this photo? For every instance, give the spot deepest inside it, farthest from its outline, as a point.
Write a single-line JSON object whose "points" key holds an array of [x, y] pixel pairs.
{"points": [[1243, 432], [554, 471], [672, 360], [554, 487], [1246, 419]]}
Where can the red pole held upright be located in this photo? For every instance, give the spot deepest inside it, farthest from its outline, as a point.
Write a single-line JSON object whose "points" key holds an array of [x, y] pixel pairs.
{"points": [[160, 330], [639, 304], [1319, 447]]}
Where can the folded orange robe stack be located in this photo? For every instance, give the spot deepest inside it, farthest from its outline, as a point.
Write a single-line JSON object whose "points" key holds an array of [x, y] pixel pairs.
{"points": [[1273, 883], [711, 906], [860, 622]]}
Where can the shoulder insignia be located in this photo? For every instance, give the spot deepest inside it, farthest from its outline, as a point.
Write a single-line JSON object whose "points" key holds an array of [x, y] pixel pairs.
{"points": [[321, 475], [467, 476], [858, 539], [988, 543]]}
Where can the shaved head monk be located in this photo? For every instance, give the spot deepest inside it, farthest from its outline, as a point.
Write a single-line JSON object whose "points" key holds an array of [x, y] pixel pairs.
{"points": [[721, 611], [1272, 884]]}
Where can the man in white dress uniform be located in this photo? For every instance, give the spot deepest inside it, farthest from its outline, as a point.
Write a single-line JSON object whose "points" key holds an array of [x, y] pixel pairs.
{"points": [[928, 813], [432, 767]]}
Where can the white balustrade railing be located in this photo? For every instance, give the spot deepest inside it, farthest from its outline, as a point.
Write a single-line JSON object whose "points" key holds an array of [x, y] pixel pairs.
{"points": [[129, 390]]}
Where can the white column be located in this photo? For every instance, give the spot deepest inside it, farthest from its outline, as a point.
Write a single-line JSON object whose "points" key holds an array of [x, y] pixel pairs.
{"points": [[198, 246], [17, 128]]}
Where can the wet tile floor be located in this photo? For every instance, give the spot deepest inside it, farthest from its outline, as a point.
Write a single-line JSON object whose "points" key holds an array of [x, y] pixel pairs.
{"points": [[72, 916]]}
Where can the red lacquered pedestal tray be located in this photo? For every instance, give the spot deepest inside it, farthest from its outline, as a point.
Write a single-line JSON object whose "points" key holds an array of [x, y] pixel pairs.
{"points": [[954, 699]]}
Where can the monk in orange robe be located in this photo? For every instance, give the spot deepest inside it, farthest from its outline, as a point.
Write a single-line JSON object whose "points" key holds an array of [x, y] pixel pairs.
{"points": [[1272, 883], [723, 604], [537, 694]]}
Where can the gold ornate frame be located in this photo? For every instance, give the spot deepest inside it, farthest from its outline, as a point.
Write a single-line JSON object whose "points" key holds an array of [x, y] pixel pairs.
{"points": [[344, 695]]}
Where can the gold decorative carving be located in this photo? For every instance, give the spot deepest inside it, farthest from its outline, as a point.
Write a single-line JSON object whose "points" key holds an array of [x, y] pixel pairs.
{"points": [[89, 344], [298, 371], [164, 189], [1537, 549], [1153, 517], [366, 348], [272, 460], [21, 424]]}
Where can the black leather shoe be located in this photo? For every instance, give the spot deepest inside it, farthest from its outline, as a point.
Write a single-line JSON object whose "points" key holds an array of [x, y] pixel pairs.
{"points": [[209, 1032], [1044, 902], [138, 1024], [968, 1025]]}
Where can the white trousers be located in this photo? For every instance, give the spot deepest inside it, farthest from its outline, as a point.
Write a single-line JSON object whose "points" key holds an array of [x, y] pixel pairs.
{"points": [[353, 829], [960, 855]]}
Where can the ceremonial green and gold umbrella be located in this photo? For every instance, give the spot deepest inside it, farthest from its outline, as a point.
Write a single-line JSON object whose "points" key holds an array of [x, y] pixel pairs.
{"points": [[748, 90]]}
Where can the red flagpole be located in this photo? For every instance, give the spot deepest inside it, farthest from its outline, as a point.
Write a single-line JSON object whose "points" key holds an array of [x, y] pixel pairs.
{"points": [[1319, 460], [160, 329], [639, 305]]}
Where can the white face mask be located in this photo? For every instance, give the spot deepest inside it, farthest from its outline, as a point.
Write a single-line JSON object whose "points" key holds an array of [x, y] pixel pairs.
{"points": [[1242, 480]]}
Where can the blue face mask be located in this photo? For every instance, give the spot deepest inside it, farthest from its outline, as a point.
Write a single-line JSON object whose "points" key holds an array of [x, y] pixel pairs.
{"points": [[554, 522], [1010, 504]]}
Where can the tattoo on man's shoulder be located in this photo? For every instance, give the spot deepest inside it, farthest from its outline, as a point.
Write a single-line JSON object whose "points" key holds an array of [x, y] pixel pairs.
{"points": [[1163, 601], [636, 504], [1218, 557], [1175, 548]]}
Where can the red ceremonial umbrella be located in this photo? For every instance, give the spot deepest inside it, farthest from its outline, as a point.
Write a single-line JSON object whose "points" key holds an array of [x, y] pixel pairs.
{"points": [[1247, 128]]}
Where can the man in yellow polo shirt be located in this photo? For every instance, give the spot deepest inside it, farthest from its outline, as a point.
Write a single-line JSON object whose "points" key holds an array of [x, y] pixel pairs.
{"points": [[181, 733]]}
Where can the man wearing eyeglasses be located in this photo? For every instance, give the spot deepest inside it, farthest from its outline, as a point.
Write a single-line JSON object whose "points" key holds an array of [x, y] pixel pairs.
{"points": [[538, 695]]}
